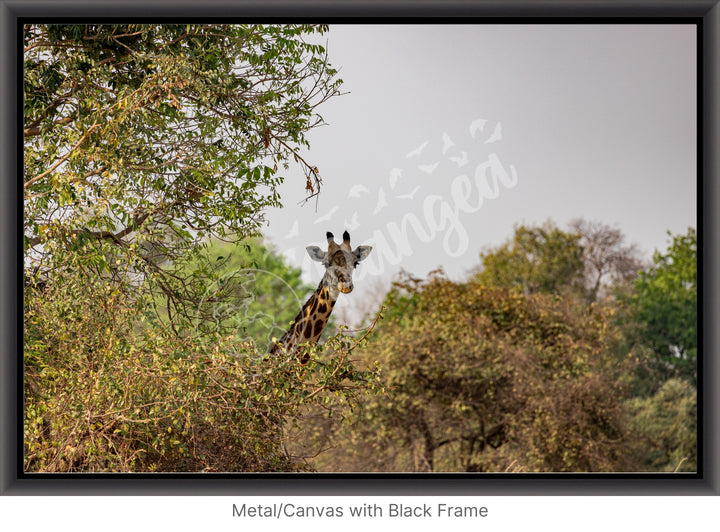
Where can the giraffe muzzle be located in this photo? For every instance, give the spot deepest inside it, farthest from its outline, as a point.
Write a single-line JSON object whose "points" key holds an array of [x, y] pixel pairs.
{"points": [[345, 288]]}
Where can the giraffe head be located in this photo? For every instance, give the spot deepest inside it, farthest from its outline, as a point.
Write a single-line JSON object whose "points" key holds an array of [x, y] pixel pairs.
{"points": [[340, 261]]}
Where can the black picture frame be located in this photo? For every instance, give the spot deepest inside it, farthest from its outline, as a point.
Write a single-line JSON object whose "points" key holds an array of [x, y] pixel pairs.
{"points": [[704, 13]]}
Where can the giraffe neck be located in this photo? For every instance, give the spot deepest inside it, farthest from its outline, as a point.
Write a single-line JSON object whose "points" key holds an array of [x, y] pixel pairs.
{"points": [[310, 321]]}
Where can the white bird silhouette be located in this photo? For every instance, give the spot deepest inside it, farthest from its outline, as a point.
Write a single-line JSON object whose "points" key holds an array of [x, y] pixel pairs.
{"points": [[327, 216], [410, 194], [294, 231], [447, 143], [460, 161], [477, 125], [381, 203], [353, 223], [417, 151], [496, 134], [428, 168], [395, 174], [357, 190]]}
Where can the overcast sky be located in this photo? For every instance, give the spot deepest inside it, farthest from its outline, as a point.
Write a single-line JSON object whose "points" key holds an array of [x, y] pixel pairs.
{"points": [[451, 135]]}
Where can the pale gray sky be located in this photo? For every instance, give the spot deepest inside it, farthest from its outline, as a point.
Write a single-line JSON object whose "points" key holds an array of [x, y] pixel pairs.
{"points": [[597, 121]]}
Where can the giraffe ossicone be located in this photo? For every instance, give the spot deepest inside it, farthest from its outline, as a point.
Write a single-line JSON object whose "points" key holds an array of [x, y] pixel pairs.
{"points": [[340, 260]]}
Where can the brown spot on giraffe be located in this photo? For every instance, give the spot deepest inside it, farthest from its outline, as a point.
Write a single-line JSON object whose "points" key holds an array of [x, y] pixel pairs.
{"points": [[319, 326], [307, 333]]}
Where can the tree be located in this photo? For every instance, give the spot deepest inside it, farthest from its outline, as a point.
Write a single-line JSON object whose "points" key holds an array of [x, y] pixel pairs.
{"points": [[481, 378], [664, 307], [608, 261], [540, 259], [267, 293], [588, 260], [142, 141]]}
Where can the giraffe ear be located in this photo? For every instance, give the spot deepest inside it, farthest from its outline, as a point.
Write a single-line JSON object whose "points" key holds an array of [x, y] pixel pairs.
{"points": [[316, 253], [361, 252]]}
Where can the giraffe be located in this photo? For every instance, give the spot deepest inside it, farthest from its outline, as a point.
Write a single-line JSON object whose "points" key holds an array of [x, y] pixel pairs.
{"points": [[339, 261]]}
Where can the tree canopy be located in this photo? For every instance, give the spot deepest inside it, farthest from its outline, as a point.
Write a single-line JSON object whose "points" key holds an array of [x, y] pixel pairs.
{"points": [[267, 291], [487, 379], [609, 263], [664, 305], [589, 260], [539, 259], [142, 141]]}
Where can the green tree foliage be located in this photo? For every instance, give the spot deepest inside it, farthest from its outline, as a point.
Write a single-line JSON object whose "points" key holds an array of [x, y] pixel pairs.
{"points": [[141, 141], [486, 379], [590, 260], [540, 259], [268, 291], [666, 424], [664, 308]]}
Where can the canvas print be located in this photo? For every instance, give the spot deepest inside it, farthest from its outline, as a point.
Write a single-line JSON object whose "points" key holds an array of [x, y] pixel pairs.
{"points": [[303, 248]]}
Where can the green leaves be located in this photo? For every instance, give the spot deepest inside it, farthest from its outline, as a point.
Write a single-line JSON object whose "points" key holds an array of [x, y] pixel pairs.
{"points": [[537, 260], [130, 128], [267, 292], [665, 305], [667, 425]]}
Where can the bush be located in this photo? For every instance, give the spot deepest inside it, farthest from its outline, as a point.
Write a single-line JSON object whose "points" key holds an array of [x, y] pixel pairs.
{"points": [[108, 388], [666, 427], [486, 379]]}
